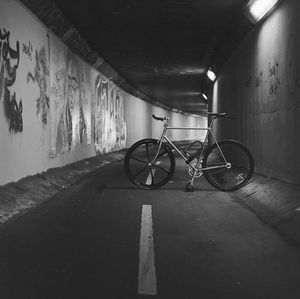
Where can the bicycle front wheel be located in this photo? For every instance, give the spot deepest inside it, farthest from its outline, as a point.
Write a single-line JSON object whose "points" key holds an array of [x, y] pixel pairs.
{"points": [[229, 165], [148, 166]]}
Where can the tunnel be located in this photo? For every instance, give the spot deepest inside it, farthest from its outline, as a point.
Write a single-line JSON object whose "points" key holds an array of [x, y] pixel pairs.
{"points": [[149, 149]]}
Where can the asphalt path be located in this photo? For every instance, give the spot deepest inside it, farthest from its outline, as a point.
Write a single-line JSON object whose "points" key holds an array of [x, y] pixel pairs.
{"points": [[86, 242]]}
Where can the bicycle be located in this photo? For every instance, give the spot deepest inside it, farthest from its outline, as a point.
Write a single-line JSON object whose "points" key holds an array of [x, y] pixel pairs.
{"points": [[227, 165]]}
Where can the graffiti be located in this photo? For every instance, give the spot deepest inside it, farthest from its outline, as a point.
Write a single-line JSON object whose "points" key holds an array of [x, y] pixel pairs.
{"points": [[274, 80], [60, 74], [9, 62], [85, 104], [57, 88], [120, 123], [54, 91], [74, 102], [58, 91], [14, 112], [71, 127], [76, 118], [292, 70], [82, 124], [69, 124], [41, 73], [100, 109], [27, 49], [110, 127], [62, 108], [258, 80], [73, 83], [248, 82]]}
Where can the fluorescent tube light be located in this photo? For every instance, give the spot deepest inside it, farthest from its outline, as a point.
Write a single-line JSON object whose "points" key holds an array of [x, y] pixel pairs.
{"points": [[211, 75], [204, 96], [259, 8]]}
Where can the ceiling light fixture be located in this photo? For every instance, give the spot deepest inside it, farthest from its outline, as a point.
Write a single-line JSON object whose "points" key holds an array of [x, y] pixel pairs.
{"points": [[257, 9], [211, 75], [204, 96]]}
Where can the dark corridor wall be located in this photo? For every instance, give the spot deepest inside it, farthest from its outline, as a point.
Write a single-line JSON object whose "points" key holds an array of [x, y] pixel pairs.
{"points": [[260, 84]]}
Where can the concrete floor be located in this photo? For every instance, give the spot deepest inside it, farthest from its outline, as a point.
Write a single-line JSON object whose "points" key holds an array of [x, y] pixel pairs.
{"points": [[84, 243]]}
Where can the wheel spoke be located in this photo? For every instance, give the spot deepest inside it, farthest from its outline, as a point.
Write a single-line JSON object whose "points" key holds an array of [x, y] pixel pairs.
{"points": [[214, 171], [143, 170], [139, 160], [152, 176], [166, 170], [233, 177], [147, 152], [161, 154], [139, 172]]}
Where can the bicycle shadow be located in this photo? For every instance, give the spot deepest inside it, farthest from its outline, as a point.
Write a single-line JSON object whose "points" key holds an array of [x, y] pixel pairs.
{"points": [[171, 186]]}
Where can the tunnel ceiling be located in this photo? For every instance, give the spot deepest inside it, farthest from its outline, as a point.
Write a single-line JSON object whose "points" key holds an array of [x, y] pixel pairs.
{"points": [[161, 47]]}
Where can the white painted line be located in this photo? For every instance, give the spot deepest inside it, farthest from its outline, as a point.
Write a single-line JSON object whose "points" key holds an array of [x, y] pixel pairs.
{"points": [[147, 273], [149, 178], [298, 209]]}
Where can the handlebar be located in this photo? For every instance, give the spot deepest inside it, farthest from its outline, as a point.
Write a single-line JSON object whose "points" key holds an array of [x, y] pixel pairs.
{"points": [[216, 115]]}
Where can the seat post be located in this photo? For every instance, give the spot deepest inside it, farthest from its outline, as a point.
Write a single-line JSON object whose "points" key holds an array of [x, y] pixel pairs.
{"points": [[212, 122], [164, 129]]}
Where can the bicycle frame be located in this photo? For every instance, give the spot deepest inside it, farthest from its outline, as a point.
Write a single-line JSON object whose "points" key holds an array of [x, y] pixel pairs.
{"points": [[208, 132], [227, 165]]}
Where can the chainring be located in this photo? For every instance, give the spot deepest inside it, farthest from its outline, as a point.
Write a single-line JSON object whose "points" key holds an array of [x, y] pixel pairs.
{"points": [[199, 172]]}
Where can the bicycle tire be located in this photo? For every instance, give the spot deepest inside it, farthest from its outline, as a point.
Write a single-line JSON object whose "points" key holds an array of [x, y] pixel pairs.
{"points": [[141, 168], [241, 165]]}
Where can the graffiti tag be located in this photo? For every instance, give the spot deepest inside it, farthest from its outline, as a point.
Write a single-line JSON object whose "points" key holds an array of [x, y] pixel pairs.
{"points": [[9, 62], [292, 69], [40, 75], [27, 49], [110, 126], [258, 80], [248, 82], [15, 112], [274, 80], [73, 82]]}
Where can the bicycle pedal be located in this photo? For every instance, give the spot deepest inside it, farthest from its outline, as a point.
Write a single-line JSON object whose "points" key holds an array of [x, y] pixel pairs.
{"points": [[189, 187]]}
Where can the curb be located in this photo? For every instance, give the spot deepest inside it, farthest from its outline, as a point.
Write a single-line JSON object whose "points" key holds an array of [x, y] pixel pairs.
{"points": [[276, 203], [18, 197]]}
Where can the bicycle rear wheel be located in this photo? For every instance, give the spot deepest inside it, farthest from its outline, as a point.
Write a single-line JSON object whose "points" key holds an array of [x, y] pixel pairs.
{"points": [[146, 167], [232, 165]]}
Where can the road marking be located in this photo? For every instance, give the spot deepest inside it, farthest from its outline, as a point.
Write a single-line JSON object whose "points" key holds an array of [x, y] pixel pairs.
{"points": [[298, 209], [149, 178], [147, 273]]}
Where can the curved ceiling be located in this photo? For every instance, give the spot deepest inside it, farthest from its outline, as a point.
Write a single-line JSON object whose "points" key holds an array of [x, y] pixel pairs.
{"points": [[162, 48]]}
